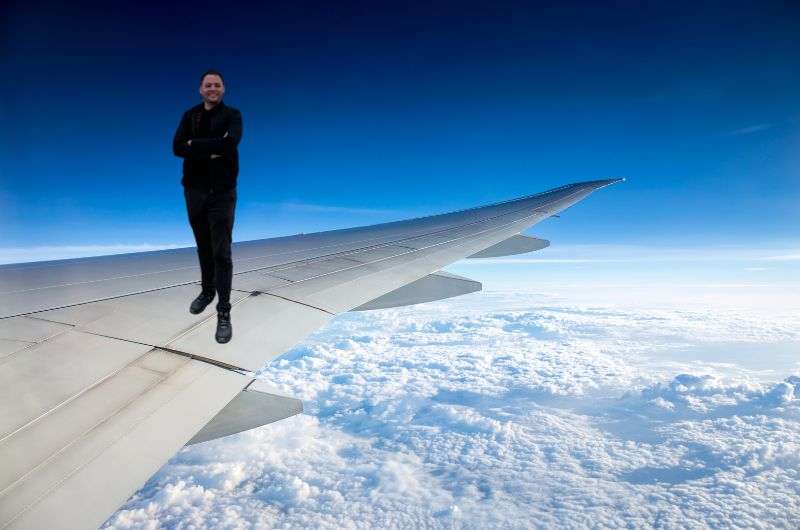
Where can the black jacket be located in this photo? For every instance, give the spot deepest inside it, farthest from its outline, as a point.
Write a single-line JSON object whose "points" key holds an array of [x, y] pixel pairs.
{"points": [[199, 169]]}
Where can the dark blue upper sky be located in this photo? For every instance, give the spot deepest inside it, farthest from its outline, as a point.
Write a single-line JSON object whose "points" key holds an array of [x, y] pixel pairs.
{"points": [[357, 113]]}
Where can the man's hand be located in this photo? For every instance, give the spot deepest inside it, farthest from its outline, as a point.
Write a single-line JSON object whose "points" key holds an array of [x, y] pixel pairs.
{"points": [[218, 156]]}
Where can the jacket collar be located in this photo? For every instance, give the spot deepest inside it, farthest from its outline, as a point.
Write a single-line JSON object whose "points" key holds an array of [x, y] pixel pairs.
{"points": [[219, 106]]}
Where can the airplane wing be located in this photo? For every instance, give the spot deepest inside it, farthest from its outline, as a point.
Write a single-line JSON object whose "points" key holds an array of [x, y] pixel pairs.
{"points": [[104, 373]]}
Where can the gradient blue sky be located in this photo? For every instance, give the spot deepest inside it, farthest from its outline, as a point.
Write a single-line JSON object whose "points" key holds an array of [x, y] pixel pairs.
{"points": [[363, 112]]}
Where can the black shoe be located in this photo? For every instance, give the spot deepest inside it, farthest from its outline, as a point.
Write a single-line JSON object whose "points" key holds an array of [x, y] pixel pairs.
{"points": [[224, 328], [200, 303]]}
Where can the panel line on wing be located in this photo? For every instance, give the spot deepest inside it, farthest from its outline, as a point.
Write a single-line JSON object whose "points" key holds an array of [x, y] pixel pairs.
{"points": [[82, 435], [299, 302], [172, 350], [75, 395], [394, 243], [109, 437], [446, 242], [29, 313], [208, 360], [200, 356], [482, 220], [99, 280], [344, 253]]}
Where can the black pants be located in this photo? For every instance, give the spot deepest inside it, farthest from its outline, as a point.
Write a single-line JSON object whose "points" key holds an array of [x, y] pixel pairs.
{"points": [[211, 217]]}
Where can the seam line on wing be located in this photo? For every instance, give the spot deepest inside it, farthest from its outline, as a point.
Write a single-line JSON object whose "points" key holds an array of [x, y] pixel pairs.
{"points": [[297, 302], [427, 234], [327, 256], [104, 448], [83, 434], [77, 394], [495, 228]]}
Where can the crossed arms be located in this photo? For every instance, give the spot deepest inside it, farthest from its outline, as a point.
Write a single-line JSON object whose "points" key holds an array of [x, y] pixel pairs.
{"points": [[186, 147]]}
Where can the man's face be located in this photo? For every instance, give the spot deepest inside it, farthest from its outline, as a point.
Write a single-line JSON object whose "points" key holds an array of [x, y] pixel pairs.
{"points": [[212, 89]]}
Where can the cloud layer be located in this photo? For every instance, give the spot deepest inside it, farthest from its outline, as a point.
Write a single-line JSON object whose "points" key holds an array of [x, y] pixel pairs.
{"points": [[507, 411]]}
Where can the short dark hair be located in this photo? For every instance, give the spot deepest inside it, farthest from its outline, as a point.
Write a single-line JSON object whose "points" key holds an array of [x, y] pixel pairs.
{"points": [[211, 72]]}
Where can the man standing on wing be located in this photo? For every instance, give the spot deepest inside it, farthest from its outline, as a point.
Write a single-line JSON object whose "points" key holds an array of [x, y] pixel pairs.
{"points": [[207, 139]]}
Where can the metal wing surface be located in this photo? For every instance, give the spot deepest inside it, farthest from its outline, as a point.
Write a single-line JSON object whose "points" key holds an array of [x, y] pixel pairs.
{"points": [[104, 374]]}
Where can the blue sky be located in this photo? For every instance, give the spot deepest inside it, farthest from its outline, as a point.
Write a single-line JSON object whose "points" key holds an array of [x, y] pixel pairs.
{"points": [[360, 113]]}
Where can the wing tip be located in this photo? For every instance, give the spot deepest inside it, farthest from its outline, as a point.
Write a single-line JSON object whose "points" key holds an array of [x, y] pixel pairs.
{"points": [[606, 182]]}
